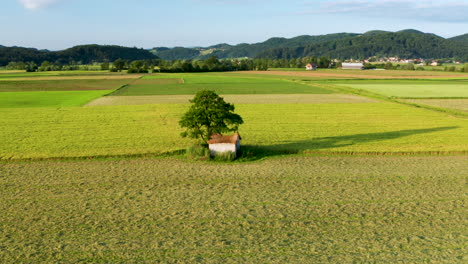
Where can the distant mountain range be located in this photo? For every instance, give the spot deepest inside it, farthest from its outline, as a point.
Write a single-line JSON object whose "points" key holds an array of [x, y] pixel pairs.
{"points": [[405, 44], [84, 54], [408, 43]]}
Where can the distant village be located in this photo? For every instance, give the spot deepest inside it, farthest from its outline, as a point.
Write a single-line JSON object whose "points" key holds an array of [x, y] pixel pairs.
{"points": [[418, 62]]}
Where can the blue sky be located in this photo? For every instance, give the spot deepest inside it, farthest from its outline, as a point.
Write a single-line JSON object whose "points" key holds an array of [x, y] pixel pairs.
{"points": [[59, 24]]}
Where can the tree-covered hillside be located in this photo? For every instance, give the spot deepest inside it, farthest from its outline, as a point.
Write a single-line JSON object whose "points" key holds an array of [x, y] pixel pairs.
{"points": [[404, 44], [84, 54], [461, 38], [224, 51]]}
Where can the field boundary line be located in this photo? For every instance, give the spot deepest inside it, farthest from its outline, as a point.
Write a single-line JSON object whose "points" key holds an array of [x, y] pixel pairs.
{"points": [[180, 152], [123, 86]]}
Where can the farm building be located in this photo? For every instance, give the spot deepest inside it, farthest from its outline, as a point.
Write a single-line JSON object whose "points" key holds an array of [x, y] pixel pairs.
{"points": [[352, 66], [220, 144], [311, 67]]}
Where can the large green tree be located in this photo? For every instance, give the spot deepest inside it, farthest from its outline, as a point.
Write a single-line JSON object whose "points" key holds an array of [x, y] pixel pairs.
{"points": [[209, 114]]}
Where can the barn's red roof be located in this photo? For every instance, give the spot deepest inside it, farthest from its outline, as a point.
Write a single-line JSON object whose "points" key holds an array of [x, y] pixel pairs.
{"points": [[219, 139]]}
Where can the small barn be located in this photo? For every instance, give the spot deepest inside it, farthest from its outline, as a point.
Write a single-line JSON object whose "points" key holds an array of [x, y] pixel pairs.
{"points": [[220, 144], [352, 66], [311, 67]]}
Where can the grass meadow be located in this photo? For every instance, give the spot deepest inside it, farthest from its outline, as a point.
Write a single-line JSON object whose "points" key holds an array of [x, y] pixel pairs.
{"points": [[332, 169], [277, 128], [288, 210], [192, 83], [48, 99], [236, 99], [417, 90], [457, 104], [62, 85]]}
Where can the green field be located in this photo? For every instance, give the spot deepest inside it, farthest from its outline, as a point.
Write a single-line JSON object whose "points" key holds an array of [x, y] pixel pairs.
{"points": [[62, 85], [17, 74], [276, 128], [289, 210], [325, 175], [412, 88], [48, 99], [236, 99], [192, 83], [457, 104]]}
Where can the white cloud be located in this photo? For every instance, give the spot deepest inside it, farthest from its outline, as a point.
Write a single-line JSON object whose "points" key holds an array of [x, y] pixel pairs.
{"points": [[428, 10], [36, 4]]}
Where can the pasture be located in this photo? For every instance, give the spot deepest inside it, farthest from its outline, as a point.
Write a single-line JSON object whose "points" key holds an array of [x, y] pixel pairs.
{"points": [[288, 210], [48, 99], [30, 133], [236, 99], [457, 104], [62, 85], [326, 174], [189, 84], [413, 89]]}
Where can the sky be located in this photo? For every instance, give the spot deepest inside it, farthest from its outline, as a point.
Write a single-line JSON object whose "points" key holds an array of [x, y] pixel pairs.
{"points": [[61, 24]]}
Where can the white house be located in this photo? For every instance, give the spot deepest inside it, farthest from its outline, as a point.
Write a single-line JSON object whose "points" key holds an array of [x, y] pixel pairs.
{"points": [[352, 66], [311, 67], [220, 144]]}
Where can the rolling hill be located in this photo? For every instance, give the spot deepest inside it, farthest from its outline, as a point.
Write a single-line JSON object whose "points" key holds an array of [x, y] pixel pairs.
{"points": [[404, 44], [85, 54], [408, 43], [223, 51]]}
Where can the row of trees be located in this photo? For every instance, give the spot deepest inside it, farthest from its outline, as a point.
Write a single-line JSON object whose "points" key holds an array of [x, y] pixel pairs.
{"points": [[213, 64], [209, 65]]}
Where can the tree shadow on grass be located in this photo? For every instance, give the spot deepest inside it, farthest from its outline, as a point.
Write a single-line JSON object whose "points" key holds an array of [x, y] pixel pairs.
{"points": [[254, 152]]}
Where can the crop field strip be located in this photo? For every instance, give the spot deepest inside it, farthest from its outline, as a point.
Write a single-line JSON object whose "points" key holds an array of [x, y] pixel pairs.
{"points": [[236, 99], [356, 74], [64, 75], [379, 128], [49, 99], [289, 210], [63, 85], [155, 85], [457, 104], [418, 90]]}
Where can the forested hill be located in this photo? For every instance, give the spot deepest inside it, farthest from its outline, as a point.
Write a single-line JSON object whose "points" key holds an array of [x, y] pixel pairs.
{"points": [[407, 43], [403, 44], [84, 54], [462, 38], [223, 51]]}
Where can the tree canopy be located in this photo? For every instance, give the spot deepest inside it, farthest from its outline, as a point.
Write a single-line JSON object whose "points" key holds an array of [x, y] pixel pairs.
{"points": [[209, 114]]}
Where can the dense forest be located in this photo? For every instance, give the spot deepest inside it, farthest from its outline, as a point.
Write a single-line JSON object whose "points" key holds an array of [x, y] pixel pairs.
{"points": [[225, 51], [461, 38], [84, 54], [404, 44]]}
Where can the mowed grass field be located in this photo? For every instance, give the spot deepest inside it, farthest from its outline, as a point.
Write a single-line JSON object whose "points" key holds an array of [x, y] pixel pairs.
{"points": [[236, 99], [48, 99], [276, 128], [190, 84], [62, 85], [457, 104], [418, 88], [288, 210], [323, 177], [69, 91]]}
